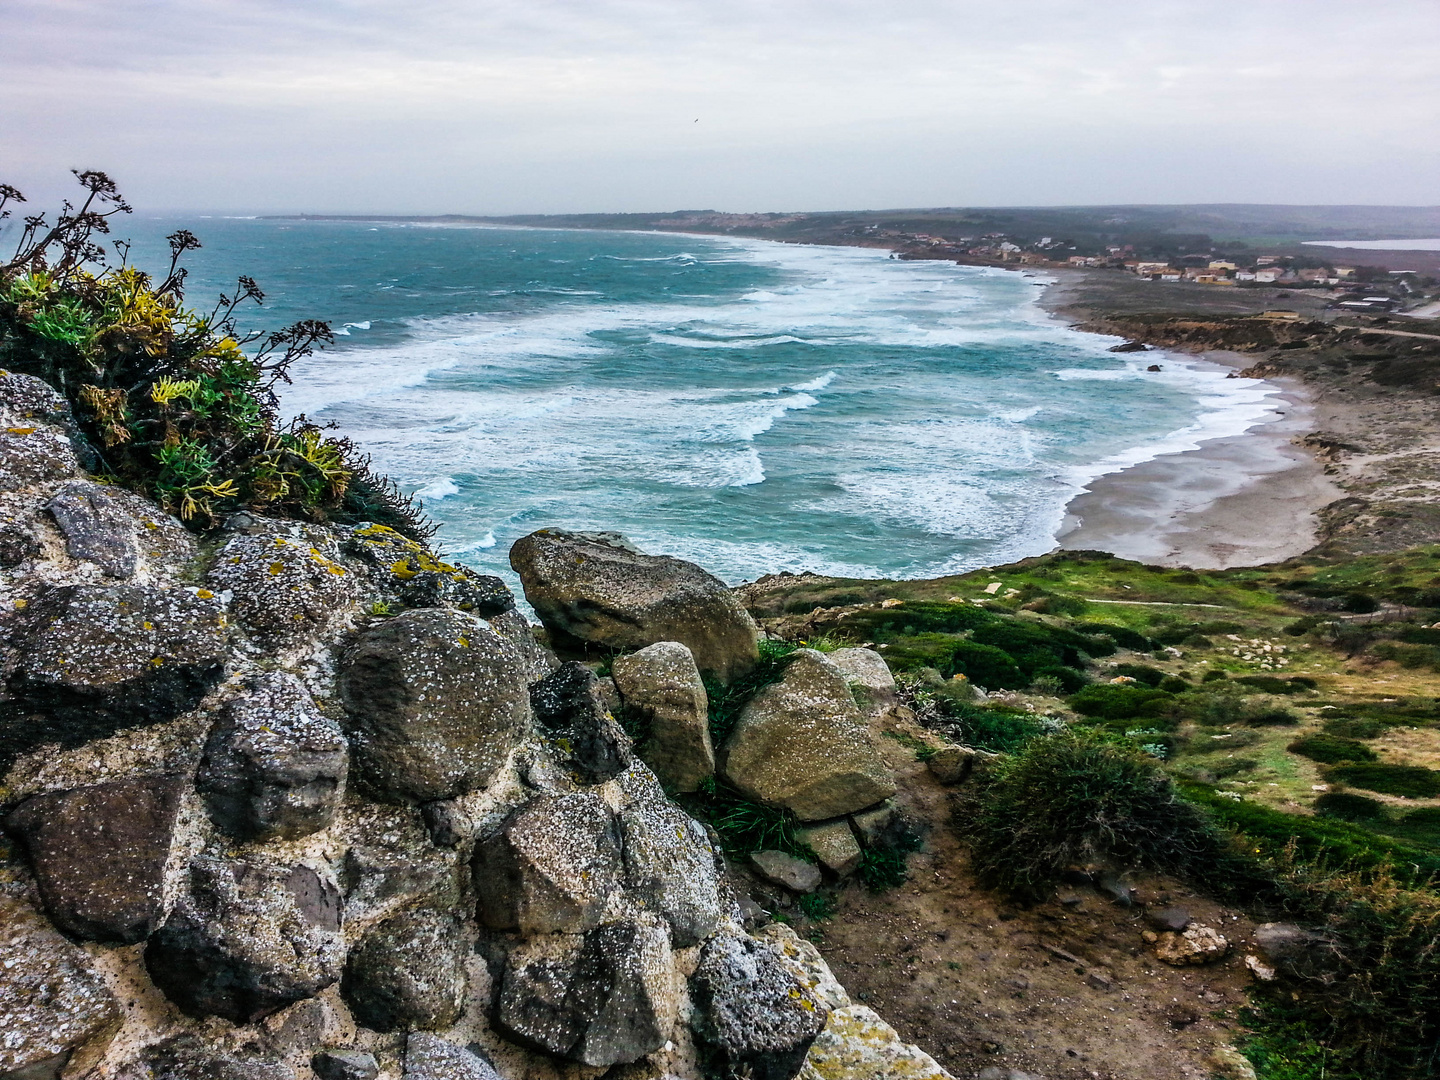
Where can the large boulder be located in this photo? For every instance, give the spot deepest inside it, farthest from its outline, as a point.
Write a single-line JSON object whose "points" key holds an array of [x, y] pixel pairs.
{"points": [[1299, 953], [857, 1045], [605, 998], [867, 673], [395, 866], [94, 659], [56, 1012], [408, 972], [99, 854], [551, 867], [436, 701], [661, 685], [802, 743], [429, 1057], [669, 862], [30, 456], [187, 1057], [274, 765], [572, 716], [596, 591], [247, 939], [117, 530], [285, 578], [753, 1010]]}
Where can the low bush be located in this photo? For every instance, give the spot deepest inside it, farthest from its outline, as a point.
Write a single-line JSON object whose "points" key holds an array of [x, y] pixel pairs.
{"points": [[1270, 684], [742, 825], [1141, 673], [1347, 807], [1262, 717], [1070, 680], [1329, 750], [1412, 781], [1108, 701], [1355, 727], [1075, 798], [987, 666], [1120, 635]]}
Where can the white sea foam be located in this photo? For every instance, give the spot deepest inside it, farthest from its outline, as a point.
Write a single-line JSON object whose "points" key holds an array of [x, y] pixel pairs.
{"points": [[440, 488]]}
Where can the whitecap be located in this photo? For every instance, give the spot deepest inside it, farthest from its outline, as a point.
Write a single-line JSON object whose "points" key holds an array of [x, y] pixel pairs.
{"points": [[441, 487], [814, 384]]}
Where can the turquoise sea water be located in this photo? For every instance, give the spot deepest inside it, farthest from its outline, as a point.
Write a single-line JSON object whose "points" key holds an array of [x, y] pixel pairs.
{"points": [[752, 406]]}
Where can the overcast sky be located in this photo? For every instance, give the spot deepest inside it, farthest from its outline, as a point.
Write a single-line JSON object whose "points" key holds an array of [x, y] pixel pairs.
{"points": [[512, 106]]}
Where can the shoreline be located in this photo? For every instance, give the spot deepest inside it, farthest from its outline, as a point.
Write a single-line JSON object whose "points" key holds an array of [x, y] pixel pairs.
{"points": [[1240, 500]]}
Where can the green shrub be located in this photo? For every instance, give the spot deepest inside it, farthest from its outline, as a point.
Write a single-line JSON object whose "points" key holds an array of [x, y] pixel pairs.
{"points": [[1108, 701], [996, 730], [1034, 646], [1421, 826], [1355, 727], [1420, 635], [727, 700], [745, 826], [1120, 635], [1409, 780], [1270, 717], [925, 650], [178, 405], [1270, 684], [1173, 684], [987, 666], [1068, 678], [1073, 798], [1329, 750], [816, 905], [1407, 656], [1214, 675], [1141, 673], [1347, 807]]}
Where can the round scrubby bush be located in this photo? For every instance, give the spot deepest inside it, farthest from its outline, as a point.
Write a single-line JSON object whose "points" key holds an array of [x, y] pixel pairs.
{"points": [[1348, 807], [1076, 799], [1109, 701]]}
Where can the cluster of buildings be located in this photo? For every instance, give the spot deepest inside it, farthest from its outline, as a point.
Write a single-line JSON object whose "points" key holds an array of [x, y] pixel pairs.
{"points": [[1267, 271]]}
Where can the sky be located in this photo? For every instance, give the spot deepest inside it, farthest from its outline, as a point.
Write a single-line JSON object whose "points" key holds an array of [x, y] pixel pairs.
{"points": [[553, 106]]}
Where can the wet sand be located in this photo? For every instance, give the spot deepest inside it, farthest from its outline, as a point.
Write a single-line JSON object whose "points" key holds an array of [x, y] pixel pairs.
{"points": [[1245, 500]]}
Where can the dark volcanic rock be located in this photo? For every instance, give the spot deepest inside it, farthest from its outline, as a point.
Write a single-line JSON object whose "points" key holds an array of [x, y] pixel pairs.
{"points": [[247, 940], [474, 594], [436, 701], [345, 1065], [99, 854], [596, 590], [274, 766], [669, 863], [601, 999], [188, 1058], [551, 868], [408, 972], [94, 659], [55, 1009], [1297, 952], [429, 1057], [752, 1009], [285, 578], [95, 529], [571, 713]]}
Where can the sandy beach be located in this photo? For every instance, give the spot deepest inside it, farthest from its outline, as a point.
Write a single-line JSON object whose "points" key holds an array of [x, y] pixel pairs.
{"points": [[1244, 500]]}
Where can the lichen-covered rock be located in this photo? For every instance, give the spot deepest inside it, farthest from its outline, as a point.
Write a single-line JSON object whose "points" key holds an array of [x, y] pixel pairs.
{"points": [[94, 659], [436, 701], [24, 397], [408, 972], [274, 765], [55, 1010], [752, 1008], [117, 530], [483, 595], [595, 590], [247, 940], [99, 854], [1196, 944], [572, 716], [866, 671], [805, 961], [396, 866], [669, 862], [345, 1065], [786, 870], [856, 1044], [429, 1057], [536, 661], [605, 998], [286, 579], [551, 867], [30, 456], [662, 685], [189, 1058], [833, 844], [801, 743]]}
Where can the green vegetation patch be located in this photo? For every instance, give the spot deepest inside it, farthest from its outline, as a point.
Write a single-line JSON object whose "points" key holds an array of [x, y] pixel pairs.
{"points": [[1329, 750], [1109, 701], [1412, 781]]}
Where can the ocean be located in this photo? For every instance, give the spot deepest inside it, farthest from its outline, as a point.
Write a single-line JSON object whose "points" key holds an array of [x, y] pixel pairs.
{"points": [[752, 406]]}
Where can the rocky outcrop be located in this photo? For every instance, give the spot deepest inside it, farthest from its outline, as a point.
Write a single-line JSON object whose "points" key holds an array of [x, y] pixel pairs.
{"points": [[99, 854], [605, 998], [429, 1057], [551, 868], [116, 530], [867, 672], [408, 973], [248, 939], [93, 659], [802, 744], [595, 591], [661, 686], [753, 1009], [274, 766], [571, 713], [57, 1012], [345, 1065], [857, 1045], [436, 700], [286, 579]]}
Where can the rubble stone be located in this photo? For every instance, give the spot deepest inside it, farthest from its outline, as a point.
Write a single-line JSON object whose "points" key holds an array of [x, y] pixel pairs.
{"points": [[662, 685]]}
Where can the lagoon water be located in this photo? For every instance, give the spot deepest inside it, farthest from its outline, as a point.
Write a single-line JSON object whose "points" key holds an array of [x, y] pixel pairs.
{"points": [[752, 406]]}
